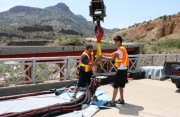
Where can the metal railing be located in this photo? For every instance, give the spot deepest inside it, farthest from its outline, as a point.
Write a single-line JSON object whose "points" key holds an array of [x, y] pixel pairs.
{"points": [[22, 71]]}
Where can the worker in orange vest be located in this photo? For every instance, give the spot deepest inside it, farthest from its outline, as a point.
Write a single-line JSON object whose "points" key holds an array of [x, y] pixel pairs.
{"points": [[121, 63], [86, 64]]}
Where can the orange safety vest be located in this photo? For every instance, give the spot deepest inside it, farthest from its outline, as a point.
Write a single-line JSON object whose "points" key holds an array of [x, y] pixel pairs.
{"points": [[124, 60], [87, 68]]}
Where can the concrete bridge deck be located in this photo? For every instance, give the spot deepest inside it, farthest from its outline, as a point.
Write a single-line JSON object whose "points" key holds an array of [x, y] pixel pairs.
{"points": [[146, 98]]}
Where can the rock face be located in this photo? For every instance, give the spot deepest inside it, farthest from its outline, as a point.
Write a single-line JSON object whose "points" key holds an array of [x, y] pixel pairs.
{"points": [[163, 27], [36, 28], [10, 35], [63, 7], [28, 43], [69, 32]]}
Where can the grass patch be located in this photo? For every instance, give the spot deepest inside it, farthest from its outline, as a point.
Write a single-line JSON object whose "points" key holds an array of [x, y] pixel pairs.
{"points": [[167, 46]]}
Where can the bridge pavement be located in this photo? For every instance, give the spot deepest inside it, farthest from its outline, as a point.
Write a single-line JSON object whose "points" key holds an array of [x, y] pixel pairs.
{"points": [[146, 98]]}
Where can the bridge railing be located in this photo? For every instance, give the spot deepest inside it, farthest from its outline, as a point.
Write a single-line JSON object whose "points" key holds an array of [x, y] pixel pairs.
{"points": [[22, 71]]}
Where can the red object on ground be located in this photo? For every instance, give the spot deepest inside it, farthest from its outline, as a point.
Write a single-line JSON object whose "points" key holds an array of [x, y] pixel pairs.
{"points": [[25, 95], [176, 72]]}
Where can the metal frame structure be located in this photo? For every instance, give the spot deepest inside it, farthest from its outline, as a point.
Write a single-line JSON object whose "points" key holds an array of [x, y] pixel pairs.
{"points": [[22, 71]]}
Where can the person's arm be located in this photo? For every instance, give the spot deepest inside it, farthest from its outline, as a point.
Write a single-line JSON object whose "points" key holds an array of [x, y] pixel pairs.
{"points": [[112, 57], [87, 62], [108, 54], [93, 63]]}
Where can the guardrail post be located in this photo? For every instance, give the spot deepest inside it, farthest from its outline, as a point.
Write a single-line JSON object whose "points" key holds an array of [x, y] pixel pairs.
{"points": [[33, 72], [68, 68], [137, 63], [165, 58], [78, 69], [152, 61], [176, 58]]}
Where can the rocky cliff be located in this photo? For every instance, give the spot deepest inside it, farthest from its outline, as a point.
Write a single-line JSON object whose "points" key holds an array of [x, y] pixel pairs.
{"points": [[158, 29]]}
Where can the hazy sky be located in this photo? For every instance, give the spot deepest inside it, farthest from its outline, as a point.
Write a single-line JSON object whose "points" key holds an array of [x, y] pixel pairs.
{"points": [[120, 13]]}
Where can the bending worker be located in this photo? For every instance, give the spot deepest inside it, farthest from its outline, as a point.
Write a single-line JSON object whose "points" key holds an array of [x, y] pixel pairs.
{"points": [[86, 68]]}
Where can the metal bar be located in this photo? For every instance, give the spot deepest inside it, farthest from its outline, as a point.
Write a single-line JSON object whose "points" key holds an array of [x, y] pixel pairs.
{"points": [[33, 73]]}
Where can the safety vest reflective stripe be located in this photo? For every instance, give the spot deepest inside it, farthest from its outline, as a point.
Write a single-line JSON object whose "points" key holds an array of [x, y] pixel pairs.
{"points": [[86, 67], [118, 60], [124, 60]]}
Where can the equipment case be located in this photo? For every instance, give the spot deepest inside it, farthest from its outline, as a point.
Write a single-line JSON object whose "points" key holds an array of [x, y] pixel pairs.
{"points": [[136, 74]]}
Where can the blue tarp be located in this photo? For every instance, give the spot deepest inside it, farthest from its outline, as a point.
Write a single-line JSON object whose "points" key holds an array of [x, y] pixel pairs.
{"points": [[156, 72]]}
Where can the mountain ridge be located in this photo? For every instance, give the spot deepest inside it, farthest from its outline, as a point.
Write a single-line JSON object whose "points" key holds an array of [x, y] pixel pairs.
{"points": [[18, 9], [59, 16]]}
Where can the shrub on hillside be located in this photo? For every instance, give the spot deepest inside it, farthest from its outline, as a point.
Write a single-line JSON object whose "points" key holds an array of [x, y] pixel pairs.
{"points": [[178, 43]]}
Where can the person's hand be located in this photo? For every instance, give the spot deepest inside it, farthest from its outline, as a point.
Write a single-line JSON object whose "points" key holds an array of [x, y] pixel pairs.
{"points": [[95, 63], [99, 58], [99, 62]]}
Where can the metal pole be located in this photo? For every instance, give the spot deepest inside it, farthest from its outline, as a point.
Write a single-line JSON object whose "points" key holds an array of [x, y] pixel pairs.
{"points": [[33, 72]]}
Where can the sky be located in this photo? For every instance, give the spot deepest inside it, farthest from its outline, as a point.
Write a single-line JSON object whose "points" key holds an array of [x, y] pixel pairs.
{"points": [[120, 13]]}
